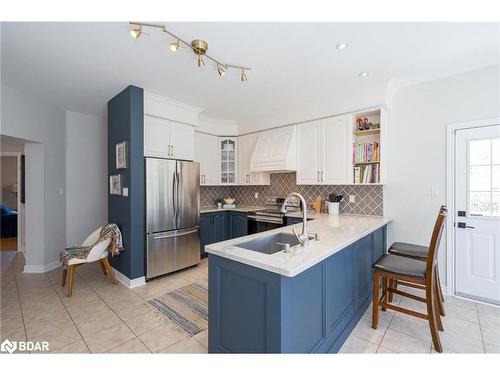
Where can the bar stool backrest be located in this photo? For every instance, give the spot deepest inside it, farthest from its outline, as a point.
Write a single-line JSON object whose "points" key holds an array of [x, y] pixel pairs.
{"points": [[436, 240]]}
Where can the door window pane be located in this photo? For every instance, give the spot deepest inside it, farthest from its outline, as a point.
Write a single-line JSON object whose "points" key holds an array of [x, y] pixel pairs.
{"points": [[495, 178], [484, 177], [480, 152], [495, 150], [495, 204], [480, 178], [479, 203]]}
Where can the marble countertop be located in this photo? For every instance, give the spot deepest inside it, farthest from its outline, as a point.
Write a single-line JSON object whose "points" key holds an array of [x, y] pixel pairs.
{"points": [[335, 233]]}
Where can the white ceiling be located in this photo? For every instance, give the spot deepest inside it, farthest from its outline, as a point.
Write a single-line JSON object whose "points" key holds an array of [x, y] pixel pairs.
{"points": [[296, 68]]}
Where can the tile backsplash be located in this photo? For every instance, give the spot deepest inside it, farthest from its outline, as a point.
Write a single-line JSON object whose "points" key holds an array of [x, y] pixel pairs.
{"points": [[369, 198]]}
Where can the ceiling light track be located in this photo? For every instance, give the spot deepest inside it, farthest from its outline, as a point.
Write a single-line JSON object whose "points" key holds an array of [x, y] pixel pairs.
{"points": [[198, 46]]}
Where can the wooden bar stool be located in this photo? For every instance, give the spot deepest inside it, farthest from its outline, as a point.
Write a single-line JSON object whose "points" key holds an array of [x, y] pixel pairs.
{"points": [[405, 270], [420, 253]]}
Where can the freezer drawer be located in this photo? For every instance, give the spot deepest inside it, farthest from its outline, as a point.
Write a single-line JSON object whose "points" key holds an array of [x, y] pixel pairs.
{"points": [[171, 251]]}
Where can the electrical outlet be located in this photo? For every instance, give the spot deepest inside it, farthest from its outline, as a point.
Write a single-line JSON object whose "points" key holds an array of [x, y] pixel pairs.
{"points": [[352, 199], [256, 195]]}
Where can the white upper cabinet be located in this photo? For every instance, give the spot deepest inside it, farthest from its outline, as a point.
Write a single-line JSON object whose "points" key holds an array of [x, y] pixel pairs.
{"points": [[323, 151], [168, 139], [182, 141], [206, 152], [337, 150], [246, 145], [309, 153], [275, 151]]}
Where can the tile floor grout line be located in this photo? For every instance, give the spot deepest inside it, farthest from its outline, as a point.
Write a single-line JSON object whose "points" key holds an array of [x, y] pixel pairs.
{"points": [[19, 298], [480, 328], [98, 295], [69, 314]]}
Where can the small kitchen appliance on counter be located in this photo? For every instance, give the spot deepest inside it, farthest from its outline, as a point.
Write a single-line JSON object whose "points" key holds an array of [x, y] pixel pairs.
{"points": [[334, 204]]}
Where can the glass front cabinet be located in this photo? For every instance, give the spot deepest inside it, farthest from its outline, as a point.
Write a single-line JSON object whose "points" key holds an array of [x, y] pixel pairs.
{"points": [[228, 160]]}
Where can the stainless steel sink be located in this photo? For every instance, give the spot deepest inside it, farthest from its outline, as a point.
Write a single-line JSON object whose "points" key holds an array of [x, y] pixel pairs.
{"points": [[270, 244]]}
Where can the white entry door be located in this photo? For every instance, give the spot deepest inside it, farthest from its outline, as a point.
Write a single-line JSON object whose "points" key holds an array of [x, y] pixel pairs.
{"points": [[477, 215]]}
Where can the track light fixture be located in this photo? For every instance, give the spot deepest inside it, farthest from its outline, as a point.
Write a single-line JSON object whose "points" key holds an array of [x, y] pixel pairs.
{"points": [[198, 46], [221, 69], [201, 63], [174, 46], [136, 32], [243, 76]]}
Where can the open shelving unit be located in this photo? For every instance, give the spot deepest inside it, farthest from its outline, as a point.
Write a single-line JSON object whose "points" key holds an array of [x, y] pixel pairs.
{"points": [[367, 146]]}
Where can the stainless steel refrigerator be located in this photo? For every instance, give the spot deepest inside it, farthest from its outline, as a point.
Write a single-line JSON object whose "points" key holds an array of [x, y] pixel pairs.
{"points": [[172, 215]]}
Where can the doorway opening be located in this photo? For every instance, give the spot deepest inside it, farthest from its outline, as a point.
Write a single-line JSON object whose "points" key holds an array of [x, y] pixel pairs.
{"points": [[11, 197]]}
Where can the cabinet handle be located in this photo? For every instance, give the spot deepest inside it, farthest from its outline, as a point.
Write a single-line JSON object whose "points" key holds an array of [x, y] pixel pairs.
{"points": [[317, 178], [321, 176]]}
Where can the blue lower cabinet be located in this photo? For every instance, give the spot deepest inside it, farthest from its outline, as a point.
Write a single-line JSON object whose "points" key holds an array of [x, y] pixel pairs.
{"points": [[363, 263], [379, 243], [256, 311], [238, 224], [221, 226]]}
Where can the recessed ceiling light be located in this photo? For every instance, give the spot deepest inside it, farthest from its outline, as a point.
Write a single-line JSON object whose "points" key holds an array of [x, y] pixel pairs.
{"points": [[363, 74], [342, 46]]}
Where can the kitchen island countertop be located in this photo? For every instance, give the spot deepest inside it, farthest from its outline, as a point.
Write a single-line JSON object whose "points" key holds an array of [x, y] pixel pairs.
{"points": [[335, 233]]}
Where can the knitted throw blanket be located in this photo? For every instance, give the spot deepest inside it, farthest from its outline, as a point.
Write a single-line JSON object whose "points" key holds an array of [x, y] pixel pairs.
{"points": [[81, 252]]}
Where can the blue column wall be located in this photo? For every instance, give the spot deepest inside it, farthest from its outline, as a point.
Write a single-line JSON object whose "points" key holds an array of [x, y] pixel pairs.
{"points": [[126, 123]]}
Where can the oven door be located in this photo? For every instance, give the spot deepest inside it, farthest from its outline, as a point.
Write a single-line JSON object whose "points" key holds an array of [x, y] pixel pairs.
{"points": [[259, 223]]}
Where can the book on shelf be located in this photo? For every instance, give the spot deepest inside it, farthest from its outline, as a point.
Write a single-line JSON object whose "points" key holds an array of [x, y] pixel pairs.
{"points": [[366, 174], [365, 152]]}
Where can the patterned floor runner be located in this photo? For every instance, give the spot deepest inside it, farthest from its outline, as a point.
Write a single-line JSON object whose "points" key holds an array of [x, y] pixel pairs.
{"points": [[186, 306]]}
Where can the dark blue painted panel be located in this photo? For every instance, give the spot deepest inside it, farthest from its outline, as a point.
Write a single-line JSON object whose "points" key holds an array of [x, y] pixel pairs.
{"points": [[363, 263], [252, 310], [220, 225], [303, 311], [245, 309], [206, 232], [126, 123], [340, 281], [238, 224], [378, 244]]}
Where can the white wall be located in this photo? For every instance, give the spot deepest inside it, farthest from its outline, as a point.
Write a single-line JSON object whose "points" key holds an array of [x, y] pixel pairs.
{"points": [[43, 126], [86, 175], [416, 148]]}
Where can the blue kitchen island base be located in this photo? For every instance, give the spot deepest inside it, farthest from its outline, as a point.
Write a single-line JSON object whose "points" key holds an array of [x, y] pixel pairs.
{"points": [[256, 311]]}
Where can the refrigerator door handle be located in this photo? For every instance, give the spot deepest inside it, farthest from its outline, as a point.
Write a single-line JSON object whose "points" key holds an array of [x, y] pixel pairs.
{"points": [[177, 199], [177, 234], [174, 199]]}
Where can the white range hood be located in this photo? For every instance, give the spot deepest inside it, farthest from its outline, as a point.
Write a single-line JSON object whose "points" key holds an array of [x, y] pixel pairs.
{"points": [[275, 151]]}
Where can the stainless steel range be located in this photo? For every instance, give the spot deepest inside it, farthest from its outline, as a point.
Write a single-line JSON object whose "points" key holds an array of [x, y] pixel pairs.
{"points": [[271, 217]]}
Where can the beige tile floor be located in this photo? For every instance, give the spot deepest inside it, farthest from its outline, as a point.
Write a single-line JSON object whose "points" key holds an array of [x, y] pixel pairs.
{"points": [[106, 318]]}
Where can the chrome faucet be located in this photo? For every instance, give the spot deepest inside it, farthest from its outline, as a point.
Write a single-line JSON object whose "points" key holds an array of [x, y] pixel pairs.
{"points": [[304, 237]]}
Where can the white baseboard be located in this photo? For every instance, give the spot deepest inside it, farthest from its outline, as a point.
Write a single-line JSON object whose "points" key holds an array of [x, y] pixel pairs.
{"points": [[35, 268], [134, 283]]}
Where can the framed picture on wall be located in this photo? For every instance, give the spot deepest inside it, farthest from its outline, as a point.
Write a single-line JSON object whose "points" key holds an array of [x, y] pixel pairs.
{"points": [[115, 184], [121, 155]]}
